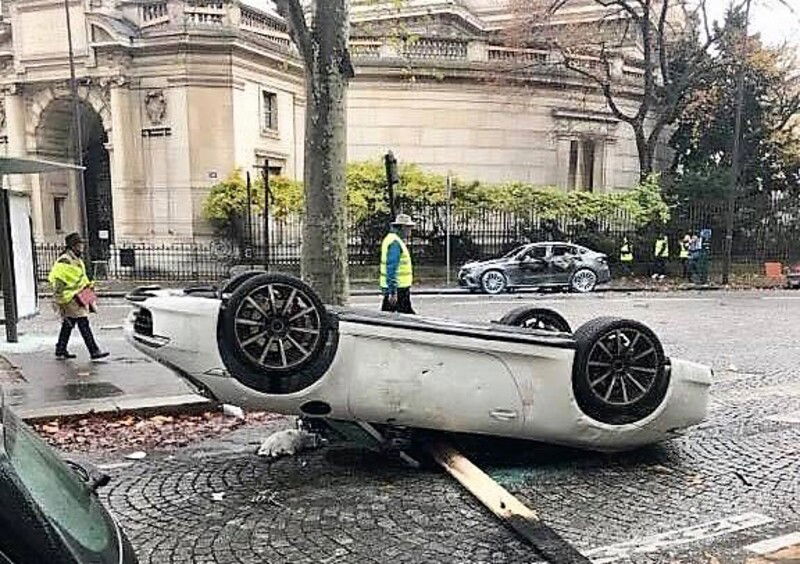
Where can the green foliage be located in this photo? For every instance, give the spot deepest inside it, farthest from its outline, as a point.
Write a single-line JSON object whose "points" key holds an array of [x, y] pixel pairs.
{"points": [[287, 196], [368, 206], [226, 205], [703, 138]]}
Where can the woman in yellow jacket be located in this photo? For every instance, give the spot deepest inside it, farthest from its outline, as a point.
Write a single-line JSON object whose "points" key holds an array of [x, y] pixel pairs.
{"points": [[68, 279]]}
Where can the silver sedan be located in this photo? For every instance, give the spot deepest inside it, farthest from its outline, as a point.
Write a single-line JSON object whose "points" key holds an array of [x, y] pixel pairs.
{"points": [[538, 265]]}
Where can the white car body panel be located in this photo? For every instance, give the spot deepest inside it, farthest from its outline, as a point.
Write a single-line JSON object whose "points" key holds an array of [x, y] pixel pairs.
{"points": [[415, 378]]}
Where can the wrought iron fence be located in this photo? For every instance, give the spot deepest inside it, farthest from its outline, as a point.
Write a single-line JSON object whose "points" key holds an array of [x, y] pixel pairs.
{"points": [[763, 231]]}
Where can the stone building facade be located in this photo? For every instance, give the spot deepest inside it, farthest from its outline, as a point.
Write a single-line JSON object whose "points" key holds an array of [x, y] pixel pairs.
{"points": [[172, 95]]}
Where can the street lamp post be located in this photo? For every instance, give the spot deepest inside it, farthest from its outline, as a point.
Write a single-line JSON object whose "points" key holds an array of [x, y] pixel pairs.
{"points": [[267, 196], [77, 137]]}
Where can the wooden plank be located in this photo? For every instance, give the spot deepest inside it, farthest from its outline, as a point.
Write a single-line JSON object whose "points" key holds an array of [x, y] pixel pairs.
{"points": [[523, 520]]}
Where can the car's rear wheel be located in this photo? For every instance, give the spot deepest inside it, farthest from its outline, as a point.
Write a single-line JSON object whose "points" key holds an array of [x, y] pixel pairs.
{"points": [[275, 335], [536, 318], [583, 281], [493, 282], [620, 374]]}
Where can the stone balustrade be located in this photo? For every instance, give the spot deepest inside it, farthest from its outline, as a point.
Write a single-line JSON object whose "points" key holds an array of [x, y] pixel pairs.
{"points": [[421, 50], [215, 14], [152, 15], [265, 25]]}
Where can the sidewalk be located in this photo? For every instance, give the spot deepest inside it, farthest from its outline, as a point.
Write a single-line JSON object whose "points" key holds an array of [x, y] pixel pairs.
{"points": [[39, 387]]}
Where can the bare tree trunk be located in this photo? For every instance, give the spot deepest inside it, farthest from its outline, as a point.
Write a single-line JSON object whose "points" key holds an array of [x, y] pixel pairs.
{"points": [[645, 153], [323, 47]]}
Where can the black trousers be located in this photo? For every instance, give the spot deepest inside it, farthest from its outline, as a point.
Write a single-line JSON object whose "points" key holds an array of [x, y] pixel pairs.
{"points": [[660, 266], [86, 332], [403, 304]]}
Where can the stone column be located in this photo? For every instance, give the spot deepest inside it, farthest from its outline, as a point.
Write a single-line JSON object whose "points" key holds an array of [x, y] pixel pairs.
{"points": [[125, 155], [15, 121], [17, 147], [563, 144]]}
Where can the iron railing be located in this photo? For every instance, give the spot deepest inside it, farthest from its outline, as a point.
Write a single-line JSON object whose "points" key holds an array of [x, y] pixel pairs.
{"points": [[763, 232]]}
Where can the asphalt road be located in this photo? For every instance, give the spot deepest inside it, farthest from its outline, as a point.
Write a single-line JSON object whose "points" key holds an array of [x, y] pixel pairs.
{"points": [[730, 482]]}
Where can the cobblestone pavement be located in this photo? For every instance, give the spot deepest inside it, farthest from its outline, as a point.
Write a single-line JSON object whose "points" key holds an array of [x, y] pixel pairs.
{"points": [[342, 504]]}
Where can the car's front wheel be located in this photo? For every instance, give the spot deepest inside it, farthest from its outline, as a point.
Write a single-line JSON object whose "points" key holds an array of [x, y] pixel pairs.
{"points": [[583, 281], [275, 335], [620, 374], [493, 282]]}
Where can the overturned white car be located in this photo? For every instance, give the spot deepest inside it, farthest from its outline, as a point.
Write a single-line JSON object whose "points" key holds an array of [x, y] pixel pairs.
{"points": [[265, 341]]}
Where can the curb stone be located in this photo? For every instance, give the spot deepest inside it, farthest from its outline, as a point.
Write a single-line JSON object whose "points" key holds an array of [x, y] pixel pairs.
{"points": [[168, 405]]}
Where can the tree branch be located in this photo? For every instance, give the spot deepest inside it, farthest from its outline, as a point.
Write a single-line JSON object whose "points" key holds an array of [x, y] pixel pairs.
{"points": [[605, 86], [292, 12], [704, 11], [647, 48], [662, 42], [623, 4]]}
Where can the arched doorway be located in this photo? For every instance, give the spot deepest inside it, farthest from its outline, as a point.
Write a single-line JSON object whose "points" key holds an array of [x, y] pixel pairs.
{"points": [[56, 139]]}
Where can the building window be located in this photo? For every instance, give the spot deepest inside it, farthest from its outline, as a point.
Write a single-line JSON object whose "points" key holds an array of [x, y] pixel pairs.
{"points": [[583, 161], [269, 110], [58, 213]]}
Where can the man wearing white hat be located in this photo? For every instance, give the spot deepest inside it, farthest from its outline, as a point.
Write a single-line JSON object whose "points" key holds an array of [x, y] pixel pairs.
{"points": [[397, 273]]}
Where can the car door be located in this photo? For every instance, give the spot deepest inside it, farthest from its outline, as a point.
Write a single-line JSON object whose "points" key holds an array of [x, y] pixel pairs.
{"points": [[562, 262], [533, 266]]}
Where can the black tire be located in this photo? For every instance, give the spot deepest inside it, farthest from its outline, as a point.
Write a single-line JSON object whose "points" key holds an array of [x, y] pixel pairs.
{"points": [[275, 335], [620, 374], [230, 285], [536, 318], [493, 275]]}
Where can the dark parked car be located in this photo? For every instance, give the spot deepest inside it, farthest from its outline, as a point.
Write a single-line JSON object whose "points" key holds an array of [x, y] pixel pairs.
{"points": [[49, 511], [538, 265], [793, 276]]}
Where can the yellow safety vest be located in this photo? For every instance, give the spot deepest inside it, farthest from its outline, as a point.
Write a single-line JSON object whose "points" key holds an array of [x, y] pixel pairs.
{"points": [[405, 272], [662, 248], [684, 250], [625, 253], [72, 275]]}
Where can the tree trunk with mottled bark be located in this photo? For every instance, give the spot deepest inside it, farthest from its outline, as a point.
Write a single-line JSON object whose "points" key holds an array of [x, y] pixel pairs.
{"points": [[323, 47]]}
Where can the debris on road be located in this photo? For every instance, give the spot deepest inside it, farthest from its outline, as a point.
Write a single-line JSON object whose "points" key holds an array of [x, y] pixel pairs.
{"points": [[110, 433], [218, 496], [233, 411], [138, 455], [288, 443]]}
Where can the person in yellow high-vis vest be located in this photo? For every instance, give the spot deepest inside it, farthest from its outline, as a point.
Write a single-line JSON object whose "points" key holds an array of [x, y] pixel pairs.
{"points": [[68, 279], [684, 256], [397, 271], [661, 254]]}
